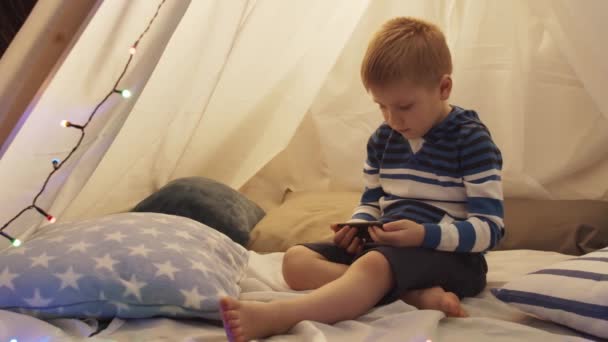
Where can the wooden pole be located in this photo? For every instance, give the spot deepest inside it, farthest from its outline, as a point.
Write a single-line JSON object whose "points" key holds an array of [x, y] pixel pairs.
{"points": [[33, 56]]}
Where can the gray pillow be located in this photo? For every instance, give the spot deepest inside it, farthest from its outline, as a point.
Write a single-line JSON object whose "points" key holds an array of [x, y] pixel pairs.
{"points": [[209, 202]]}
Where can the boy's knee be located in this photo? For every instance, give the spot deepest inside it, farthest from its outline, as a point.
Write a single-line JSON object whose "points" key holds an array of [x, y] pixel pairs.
{"points": [[374, 262], [295, 260], [297, 254]]}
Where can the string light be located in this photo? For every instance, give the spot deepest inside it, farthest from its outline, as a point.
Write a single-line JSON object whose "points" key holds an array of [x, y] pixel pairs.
{"points": [[57, 164], [133, 48], [66, 123], [14, 242], [126, 93], [48, 216]]}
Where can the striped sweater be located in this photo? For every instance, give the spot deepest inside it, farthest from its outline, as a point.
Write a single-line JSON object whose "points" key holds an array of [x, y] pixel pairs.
{"points": [[449, 181]]}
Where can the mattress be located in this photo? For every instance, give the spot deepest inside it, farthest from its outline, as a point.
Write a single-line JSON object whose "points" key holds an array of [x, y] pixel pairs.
{"points": [[490, 319]]}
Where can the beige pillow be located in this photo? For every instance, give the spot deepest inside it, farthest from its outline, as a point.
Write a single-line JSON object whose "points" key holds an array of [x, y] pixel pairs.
{"points": [[303, 217], [569, 227]]}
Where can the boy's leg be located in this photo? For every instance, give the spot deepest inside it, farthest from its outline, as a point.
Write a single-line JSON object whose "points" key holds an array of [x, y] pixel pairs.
{"points": [[363, 284], [430, 279], [305, 269]]}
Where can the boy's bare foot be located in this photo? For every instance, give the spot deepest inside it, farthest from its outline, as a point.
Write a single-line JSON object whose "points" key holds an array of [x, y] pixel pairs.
{"points": [[246, 320], [435, 298]]}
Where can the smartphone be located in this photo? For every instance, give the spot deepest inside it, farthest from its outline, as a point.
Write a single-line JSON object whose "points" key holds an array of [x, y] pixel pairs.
{"points": [[362, 227]]}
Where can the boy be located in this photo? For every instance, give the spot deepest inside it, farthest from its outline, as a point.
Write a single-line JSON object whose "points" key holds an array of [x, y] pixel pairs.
{"points": [[432, 178]]}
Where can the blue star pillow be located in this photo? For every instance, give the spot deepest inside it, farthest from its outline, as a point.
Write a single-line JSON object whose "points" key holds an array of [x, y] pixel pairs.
{"points": [[129, 265]]}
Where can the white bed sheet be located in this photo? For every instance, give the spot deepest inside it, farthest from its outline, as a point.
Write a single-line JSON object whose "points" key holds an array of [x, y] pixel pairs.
{"points": [[490, 320]]}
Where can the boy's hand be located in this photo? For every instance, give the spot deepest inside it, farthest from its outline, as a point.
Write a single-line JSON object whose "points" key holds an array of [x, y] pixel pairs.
{"points": [[345, 238], [402, 233]]}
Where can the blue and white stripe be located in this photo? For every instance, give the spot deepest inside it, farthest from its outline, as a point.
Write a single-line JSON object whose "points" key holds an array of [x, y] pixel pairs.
{"points": [[573, 293], [451, 184]]}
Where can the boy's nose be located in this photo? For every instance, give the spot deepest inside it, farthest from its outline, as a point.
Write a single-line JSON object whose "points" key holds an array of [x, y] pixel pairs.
{"points": [[395, 122]]}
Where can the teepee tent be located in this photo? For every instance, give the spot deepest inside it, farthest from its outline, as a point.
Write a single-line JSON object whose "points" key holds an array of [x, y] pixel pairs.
{"points": [[265, 96], [222, 88]]}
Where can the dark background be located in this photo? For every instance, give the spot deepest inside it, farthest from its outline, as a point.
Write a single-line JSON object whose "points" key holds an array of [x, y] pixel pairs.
{"points": [[12, 15]]}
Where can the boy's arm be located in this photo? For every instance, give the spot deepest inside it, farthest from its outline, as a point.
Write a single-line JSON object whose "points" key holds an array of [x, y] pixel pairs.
{"points": [[481, 162], [369, 207]]}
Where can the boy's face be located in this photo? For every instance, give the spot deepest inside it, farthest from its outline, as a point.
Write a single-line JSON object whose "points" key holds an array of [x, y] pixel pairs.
{"points": [[412, 110]]}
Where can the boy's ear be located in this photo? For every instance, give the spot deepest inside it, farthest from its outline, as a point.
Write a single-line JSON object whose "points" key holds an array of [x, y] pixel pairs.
{"points": [[445, 87]]}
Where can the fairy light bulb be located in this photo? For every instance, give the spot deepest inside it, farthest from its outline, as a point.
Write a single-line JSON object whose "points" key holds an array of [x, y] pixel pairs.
{"points": [[133, 48], [125, 93], [14, 242], [49, 217], [55, 162], [66, 123]]}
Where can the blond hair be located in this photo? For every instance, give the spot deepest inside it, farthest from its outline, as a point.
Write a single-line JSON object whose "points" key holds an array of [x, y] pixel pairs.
{"points": [[406, 49]]}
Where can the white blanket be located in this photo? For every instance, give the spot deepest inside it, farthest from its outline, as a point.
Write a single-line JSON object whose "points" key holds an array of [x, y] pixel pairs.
{"points": [[490, 319]]}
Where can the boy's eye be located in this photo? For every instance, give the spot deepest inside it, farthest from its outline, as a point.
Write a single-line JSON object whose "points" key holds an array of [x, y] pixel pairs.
{"points": [[404, 108]]}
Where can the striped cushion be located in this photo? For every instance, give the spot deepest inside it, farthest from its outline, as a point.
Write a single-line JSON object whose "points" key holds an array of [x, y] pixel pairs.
{"points": [[573, 293]]}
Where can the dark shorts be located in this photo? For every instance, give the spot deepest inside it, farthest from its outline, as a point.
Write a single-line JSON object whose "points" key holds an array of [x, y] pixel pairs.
{"points": [[419, 268]]}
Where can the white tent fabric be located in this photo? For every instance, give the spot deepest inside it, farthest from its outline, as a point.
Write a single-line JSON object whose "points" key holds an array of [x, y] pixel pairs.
{"points": [[223, 87], [513, 62], [226, 69]]}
